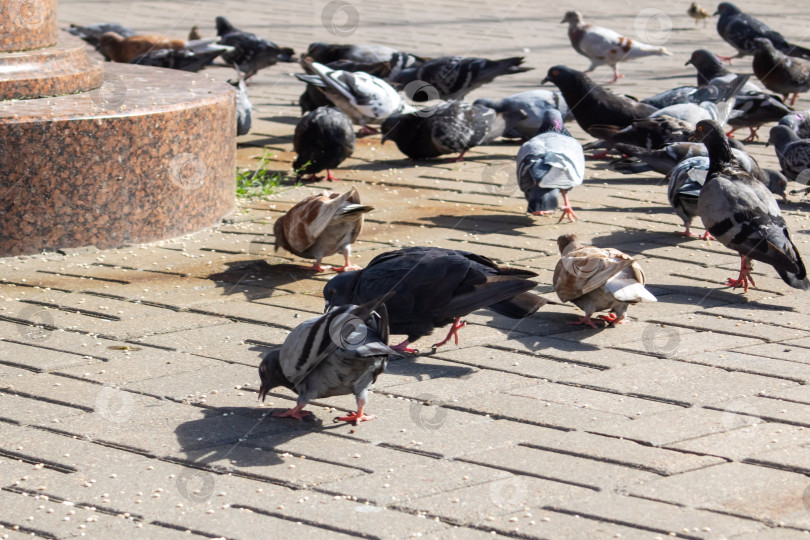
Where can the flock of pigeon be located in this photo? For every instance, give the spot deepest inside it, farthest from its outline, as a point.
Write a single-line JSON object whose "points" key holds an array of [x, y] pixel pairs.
{"points": [[418, 104]]}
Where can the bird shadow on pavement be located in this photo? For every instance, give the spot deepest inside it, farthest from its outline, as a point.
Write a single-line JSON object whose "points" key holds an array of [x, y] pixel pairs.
{"points": [[257, 279], [487, 223], [719, 295]]}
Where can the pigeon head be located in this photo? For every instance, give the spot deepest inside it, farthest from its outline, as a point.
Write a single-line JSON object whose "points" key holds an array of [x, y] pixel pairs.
{"points": [[793, 121], [561, 75], [270, 373], [727, 8], [541, 199], [317, 50], [763, 43], [711, 135], [572, 17], [224, 26], [552, 121], [563, 241], [780, 136], [398, 125], [339, 291]]}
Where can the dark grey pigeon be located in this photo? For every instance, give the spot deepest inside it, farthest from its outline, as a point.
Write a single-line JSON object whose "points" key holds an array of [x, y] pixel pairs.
{"points": [[182, 59], [251, 52], [793, 153], [340, 352], [243, 105], [715, 91], [653, 132], [453, 126], [799, 122], [327, 53], [453, 77], [435, 287], [323, 139], [743, 215], [534, 103], [685, 182], [740, 30]]}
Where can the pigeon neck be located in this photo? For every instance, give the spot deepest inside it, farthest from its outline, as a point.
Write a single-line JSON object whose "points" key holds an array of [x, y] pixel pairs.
{"points": [[719, 155]]}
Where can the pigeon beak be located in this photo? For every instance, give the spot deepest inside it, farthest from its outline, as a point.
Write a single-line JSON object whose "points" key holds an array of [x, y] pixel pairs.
{"points": [[715, 13], [544, 81], [382, 141], [326, 306], [562, 21], [262, 392], [688, 62]]}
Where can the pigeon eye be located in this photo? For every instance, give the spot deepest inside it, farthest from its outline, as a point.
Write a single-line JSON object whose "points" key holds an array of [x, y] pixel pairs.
{"points": [[555, 72]]}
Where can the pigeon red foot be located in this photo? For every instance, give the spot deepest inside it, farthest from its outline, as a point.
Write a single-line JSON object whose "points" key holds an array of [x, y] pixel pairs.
{"points": [[403, 347], [296, 412], [567, 211], [365, 131], [612, 318], [457, 325], [358, 416], [745, 277]]}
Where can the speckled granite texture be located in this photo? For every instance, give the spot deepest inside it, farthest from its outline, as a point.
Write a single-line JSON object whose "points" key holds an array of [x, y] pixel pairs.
{"points": [[27, 24], [63, 68], [149, 155]]}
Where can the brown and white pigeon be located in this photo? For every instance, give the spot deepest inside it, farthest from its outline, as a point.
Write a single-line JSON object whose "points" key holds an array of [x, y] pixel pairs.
{"points": [[597, 279], [604, 46], [322, 225], [340, 352], [698, 13], [743, 215]]}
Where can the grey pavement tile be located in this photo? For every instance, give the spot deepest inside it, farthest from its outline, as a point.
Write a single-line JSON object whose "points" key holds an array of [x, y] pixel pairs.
{"points": [[745, 490], [754, 437]]}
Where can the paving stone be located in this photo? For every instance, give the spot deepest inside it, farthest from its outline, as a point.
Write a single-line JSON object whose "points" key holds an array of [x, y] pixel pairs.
{"points": [[757, 365], [753, 437], [774, 410], [548, 524], [669, 519], [738, 489]]}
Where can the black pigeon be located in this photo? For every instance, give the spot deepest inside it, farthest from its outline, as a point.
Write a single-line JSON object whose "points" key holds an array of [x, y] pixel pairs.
{"points": [[182, 59], [593, 105], [435, 287], [740, 30], [92, 33], [326, 53], [251, 52], [453, 77], [323, 139], [453, 126], [685, 181], [779, 72], [743, 215], [714, 91], [340, 352]]}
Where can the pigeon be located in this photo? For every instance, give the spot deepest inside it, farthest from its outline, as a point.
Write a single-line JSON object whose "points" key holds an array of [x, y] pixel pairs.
{"points": [[364, 98], [799, 122], [453, 77], [323, 139], [792, 152], [698, 13], [243, 105], [740, 30], [594, 104], [604, 46], [779, 72], [452, 126], [753, 107], [322, 225], [550, 162], [92, 33], [597, 279], [743, 215], [685, 182], [653, 132], [120, 49], [435, 287], [182, 59], [713, 91], [312, 98], [340, 352], [250, 52], [534, 103], [194, 33], [325, 53]]}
